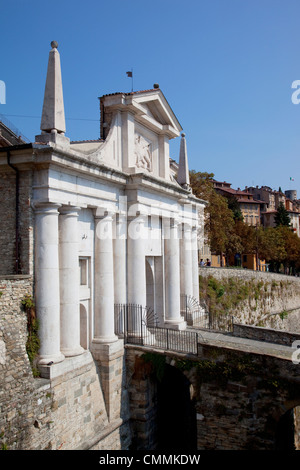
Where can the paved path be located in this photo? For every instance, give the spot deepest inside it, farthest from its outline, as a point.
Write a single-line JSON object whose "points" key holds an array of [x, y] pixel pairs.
{"points": [[243, 344]]}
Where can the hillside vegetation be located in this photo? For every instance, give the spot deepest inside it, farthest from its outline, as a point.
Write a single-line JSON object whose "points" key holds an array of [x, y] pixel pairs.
{"points": [[251, 301]]}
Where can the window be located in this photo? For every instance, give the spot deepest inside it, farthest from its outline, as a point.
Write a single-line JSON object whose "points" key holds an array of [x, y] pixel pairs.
{"points": [[84, 272]]}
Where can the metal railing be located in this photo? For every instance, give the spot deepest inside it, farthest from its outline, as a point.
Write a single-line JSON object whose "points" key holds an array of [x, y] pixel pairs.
{"points": [[196, 313], [139, 326], [221, 322]]}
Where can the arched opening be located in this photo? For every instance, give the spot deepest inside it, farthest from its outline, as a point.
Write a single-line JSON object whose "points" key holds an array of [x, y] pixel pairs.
{"points": [[287, 432], [176, 417]]}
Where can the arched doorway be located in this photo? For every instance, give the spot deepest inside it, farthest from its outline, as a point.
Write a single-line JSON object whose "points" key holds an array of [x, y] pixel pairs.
{"points": [[176, 417]]}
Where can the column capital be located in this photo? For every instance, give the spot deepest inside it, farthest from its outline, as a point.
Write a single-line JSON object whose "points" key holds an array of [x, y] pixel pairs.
{"points": [[100, 213], [139, 216], [174, 222], [69, 210], [45, 206], [186, 229]]}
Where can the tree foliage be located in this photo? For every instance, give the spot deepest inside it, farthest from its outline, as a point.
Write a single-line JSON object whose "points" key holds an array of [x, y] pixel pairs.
{"points": [[227, 233], [282, 217], [219, 221]]}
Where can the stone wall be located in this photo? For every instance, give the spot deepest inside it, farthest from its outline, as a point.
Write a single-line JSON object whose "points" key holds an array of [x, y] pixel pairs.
{"points": [[266, 334], [220, 273], [276, 304], [69, 409], [8, 226], [8, 229], [239, 398], [142, 391]]}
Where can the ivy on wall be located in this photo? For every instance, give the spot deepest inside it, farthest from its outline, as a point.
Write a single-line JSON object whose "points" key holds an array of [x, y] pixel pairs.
{"points": [[33, 341]]}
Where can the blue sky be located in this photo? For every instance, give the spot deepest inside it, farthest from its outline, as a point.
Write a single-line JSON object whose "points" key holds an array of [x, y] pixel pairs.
{"points": [[225, 66]]}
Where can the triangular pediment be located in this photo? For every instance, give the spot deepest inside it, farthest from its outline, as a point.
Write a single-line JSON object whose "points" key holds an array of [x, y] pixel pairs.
{"points": [[157, 108], [149, 107]]}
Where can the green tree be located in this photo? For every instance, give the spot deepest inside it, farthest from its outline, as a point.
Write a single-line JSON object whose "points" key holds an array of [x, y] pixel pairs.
{"points": [[219, 221], [282, 216], [234, 207], [280, 247]]}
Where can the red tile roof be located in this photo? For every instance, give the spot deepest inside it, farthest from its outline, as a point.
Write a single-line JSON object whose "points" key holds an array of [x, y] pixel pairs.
{"points": [[130, 92]]}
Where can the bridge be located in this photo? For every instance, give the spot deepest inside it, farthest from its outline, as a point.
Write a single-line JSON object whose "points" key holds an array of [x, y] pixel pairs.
{"points": [[206, 389]]}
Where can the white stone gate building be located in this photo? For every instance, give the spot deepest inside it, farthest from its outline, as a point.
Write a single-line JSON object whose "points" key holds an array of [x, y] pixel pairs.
{"points": [[100, 223]]}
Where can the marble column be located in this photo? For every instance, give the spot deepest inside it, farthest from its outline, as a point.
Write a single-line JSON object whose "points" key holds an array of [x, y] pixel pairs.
{"points": [[136, 260], [195, 263], [69, 282], [47, 295], [120, 293], [173, 319], [104, 327], [136, 275]]}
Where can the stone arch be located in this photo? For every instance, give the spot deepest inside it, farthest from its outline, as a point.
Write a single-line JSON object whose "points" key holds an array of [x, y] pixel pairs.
{"points": [[176, 413]]}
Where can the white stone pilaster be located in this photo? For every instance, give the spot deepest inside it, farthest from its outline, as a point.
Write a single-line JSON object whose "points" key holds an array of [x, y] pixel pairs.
{"points": [[120, 292], [173, 319], [195, 263], [69, 281], [186, 262], [47, 295], [104, 330], [119, 245]]}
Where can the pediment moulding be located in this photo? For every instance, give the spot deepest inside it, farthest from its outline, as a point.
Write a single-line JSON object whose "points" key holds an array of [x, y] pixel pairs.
{"points": [[150, 108]]}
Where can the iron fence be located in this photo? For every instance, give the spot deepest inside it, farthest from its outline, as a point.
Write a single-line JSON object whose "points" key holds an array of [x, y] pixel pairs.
{"points": [[221, 322], [196, 313], [139, 325]]}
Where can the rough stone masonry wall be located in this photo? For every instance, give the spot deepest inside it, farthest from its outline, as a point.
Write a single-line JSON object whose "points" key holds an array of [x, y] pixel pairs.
{"points": [[8, 222], [239, 397], [143, 401], [279, 293], [67, 412]]}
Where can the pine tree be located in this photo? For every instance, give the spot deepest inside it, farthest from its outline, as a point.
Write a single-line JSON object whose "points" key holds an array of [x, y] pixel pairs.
{"points": [[282, 216]]}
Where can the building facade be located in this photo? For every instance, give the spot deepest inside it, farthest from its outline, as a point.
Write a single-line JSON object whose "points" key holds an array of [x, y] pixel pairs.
{"points": [[249, 206], [272, 199], [100, 223]]}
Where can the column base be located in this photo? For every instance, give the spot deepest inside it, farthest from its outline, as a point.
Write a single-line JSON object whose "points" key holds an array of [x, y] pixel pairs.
{"points": [[146, 339], [175, 325], [72, 352], [50, 359], [68, 365], [105, 339]]}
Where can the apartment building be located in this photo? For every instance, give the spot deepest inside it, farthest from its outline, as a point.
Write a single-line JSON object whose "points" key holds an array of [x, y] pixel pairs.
{"points": [[249, 206], [271, 200]]}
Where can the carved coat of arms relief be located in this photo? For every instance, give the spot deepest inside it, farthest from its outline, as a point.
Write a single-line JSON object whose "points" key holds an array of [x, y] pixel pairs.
{"points": [[143, 153]]}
